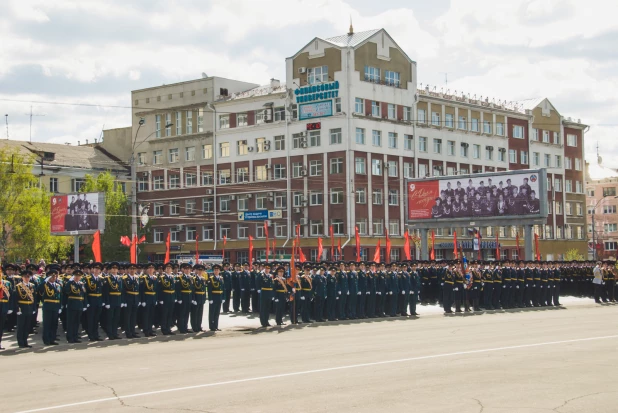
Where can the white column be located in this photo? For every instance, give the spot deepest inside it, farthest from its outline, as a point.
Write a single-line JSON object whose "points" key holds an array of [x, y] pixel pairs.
{"points": [[326, 194], [369, 197]]}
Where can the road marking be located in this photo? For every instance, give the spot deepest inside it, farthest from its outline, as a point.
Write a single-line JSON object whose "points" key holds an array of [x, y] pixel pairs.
{"points": [[306, 372]]}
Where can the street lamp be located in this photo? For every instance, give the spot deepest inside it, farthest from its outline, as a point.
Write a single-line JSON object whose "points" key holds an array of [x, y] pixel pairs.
{"points": [[594, 243], [134, 146]]}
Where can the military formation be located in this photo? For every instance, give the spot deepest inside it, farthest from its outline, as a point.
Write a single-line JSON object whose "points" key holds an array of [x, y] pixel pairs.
{"points": [[120, 299]]}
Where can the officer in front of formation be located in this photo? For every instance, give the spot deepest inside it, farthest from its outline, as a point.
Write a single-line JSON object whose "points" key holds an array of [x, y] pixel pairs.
{"points": [[149, 285], [131, 301], [112, 296], [216, 296], [265, 285], [24, 307], [281, 290], [184, 293], [50, 292], [75, 293], [94, 289], [226, 274], [200, 288]]}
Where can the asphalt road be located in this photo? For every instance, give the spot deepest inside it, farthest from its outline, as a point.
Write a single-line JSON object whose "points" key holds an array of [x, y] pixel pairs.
{"points": [[561, 360]]}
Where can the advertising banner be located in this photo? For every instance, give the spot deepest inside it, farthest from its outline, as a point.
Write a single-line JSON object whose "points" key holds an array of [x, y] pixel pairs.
{"points": [[316, 110], [76, 214], [486, 196]]}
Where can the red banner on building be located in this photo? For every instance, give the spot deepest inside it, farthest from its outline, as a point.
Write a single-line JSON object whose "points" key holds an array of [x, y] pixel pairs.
{"points": [[421, 197]]}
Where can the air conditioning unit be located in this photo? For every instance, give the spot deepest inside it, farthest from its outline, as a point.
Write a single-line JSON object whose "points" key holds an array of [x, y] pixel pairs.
{"points": [[179, 227], [303, 172], [250, 148], [303, 221], [249, 196], [144, 174], [267, 146], [209, 192], [303, 145], [297, 210], [303, 139], [232, 197], [302, 70], [268, 166], [271, 194], [302, 134]]}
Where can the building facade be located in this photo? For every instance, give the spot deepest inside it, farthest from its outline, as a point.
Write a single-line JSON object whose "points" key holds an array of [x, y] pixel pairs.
{"points": [[601, 205], [329, 151]]}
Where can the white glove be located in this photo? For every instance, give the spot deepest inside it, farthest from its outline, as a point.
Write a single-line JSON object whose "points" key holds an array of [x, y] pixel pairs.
{"points": [[302, 298], [348, 293], [339, 292], [223, 301], [161, 302], [211, 302], [253, 289], [102, 304], [337, 298], [272, 299], [34, 312], [19, 313], [294, 290], [526, 285], [87, 305], [242, 289], [504, 286], [368, 293], [442, 284], [277, 300], [455, 289], [84, 309], [143, 304], [358, 293], [10, 312], [411, 292], [107, 306], [390, 293], [60, 311], [194, 302], [517, 287], [259, 291], [175, 301], [180, 301], [403, 293]]}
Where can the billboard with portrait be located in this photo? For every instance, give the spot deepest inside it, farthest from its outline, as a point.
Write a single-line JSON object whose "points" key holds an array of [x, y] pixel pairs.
{"points": [[500, 195], [76, 214]]}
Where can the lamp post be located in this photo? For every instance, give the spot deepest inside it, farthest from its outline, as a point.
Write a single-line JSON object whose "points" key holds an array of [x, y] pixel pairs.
{"points": [[134, 146]]}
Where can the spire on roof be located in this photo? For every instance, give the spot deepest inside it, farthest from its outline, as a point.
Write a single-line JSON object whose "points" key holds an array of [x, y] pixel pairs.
{"points": [[351, 32]]}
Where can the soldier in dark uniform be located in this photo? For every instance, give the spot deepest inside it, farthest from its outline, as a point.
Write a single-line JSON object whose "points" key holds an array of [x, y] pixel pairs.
{"points": [[75, 293], [255, 289], [449, 191], [447, 301], [24, 307], [227, 279], [525, 188], [306, 285], [415, 286], [459, 191], [354, 293], [458, 287], [265, 287], [362, 291], [477, 205], [245, 288], [488, 288], [371, 279], [319, 294], [470, 190], [404, 288], [51, 295], [236, 289], [497, 275], [447, 208], [94, 291], [216, 296], [149, 286], [393, 290], [167, 299], [184, 294], [131, 301], [332, 293], [112, 295], [534, 207], [281, 291], [344, 291], [200, 281]]}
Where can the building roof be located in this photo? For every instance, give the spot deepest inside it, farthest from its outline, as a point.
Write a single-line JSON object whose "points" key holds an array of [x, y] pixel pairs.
{"points": [[530, 104], [264, 90], [82, 157], [353, 39]]}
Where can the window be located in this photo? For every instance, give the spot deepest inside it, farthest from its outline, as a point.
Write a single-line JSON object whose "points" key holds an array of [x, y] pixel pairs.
{"points": [[335, 136], [462, 123], [224, 149], [200, 120], [224, 121], [518, 131], [408, 170], [535, 135], [178, 123], [141, 158], [158, 235], [174, 181], [297, 170], [376, 138], [547, 158], [314, 138], [208, 233], [360, 166], [536, 158], [393, 229], [568, 163], [487, 127], [360, 136], [190, 179], [208, 205], [359, 105], [174, 208], [243, 233], [435, 118], [524, 157], [241, 148], [422, 144], [336, 196], [225, 230], [464, 150], [375, 109], [281, 230], [568, 185], [336, 165], [260, 173], [225, 177], [558, 184], [558, 159], [260, 116], [609, 209], [281, 200], [392, 140], [241, 120], [408, 142], [377, 196], [407, 113], [609, 191], [189, 122], [568, 208], [190, 209], [53, 185], [392, 169], [316, 228], [489, 153], [158, 209], [279, 114], [610, 245], [175, 235], [207, 178], [392, 111], [499, 128], [142, 184], [558, 207], [207, 151], [261, 201], [173, 155], [556, 138], [190, 153], [297, 199], [501, 153], [158, 126], [579, 187], [224, 204], [421, 116], [337, 225], [77, 184], [315, 168], [450, 148], [372, 74], [376, 167], [280, 143], [579, 210], [315, 198], [259, 144], [393, 198], [158, 183], [476, 151], [610, 227], [571, 140], [280, 172], [546, 136], [437, 145], [317, 75], [378, 227], [475, 125], [392, 78], [449, 121], [361, 196]]}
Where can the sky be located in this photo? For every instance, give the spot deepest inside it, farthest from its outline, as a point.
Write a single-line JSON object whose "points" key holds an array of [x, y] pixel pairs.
{"points": [[94, 53]]}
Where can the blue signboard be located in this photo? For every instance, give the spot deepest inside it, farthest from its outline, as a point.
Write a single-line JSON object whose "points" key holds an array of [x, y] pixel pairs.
{"points": [[259, 215], [317, 92], [315, 110]]}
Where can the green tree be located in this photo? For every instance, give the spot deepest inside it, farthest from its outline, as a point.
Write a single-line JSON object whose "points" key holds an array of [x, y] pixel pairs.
{"points": [[117, 217], [25, 212], [573, 255]]}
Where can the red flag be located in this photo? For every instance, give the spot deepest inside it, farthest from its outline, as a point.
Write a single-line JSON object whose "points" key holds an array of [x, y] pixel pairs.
{"points": [[267, 242], [320, 249], [223, 251], [167, 247], [274, 249], [455, 253], [298, 235], [358, 252], [478, 237], [517, 244], [332, 243], [388, 249], [536, 247], [96, 247], [197, 248], [250, 253], [301, 256], [339, 248], [406, 246], [293, 267], [134, 249], [142, 239], [376, 254], [126, 241], [497, 248], [432, 255]]}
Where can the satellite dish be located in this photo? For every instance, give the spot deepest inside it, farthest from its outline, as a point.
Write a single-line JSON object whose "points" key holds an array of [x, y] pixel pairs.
{"points": [[599, 160]]}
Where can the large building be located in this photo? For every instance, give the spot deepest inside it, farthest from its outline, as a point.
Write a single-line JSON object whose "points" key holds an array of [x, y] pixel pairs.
{"points": [[329, 151], [601, 204]]}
